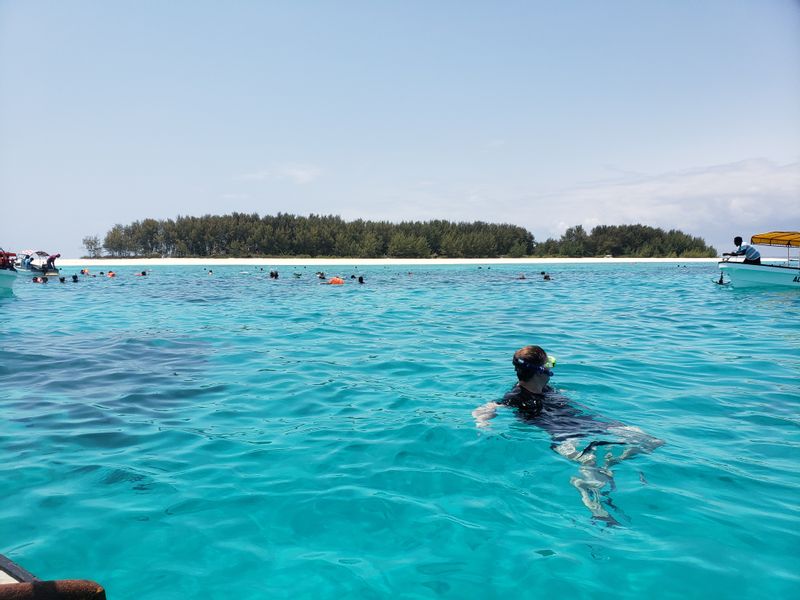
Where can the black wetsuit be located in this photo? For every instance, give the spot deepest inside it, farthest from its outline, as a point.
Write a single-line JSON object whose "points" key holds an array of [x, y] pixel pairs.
{"points": [[558, 416], [528, 404]]}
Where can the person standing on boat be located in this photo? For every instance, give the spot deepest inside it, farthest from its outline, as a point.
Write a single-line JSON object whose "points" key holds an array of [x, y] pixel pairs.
{"points": [[51, 261], [751, 255]]}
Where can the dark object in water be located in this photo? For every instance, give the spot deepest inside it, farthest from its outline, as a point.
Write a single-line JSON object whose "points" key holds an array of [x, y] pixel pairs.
{"points": [[29, 587], [62, 589]]}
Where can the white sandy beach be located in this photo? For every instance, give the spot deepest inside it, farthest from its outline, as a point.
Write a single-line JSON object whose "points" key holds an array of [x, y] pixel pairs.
{"points": [[289, 262]]}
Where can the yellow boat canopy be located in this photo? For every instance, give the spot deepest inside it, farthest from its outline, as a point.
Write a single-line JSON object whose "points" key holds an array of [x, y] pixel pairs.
{"points": [[787, 239]]}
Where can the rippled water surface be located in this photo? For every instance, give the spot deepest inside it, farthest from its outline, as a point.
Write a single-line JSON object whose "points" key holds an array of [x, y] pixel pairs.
{"points": [[191, 436]]}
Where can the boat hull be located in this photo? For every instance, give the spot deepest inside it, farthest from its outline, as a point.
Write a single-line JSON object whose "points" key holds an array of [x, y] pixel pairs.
{"points": [[742, 275], [7, 279], [33, 271]]}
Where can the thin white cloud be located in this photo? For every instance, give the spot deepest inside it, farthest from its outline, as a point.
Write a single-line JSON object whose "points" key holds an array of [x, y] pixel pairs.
{"points": [[299, 174], [716, 202]]}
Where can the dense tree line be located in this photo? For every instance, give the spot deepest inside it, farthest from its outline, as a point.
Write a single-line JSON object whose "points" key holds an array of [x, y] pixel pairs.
{"points": [[638, 241], [250, 235], [242, 235]]}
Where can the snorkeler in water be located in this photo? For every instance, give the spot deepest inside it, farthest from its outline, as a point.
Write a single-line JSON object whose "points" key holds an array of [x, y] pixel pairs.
{"points": [[576, 433]]}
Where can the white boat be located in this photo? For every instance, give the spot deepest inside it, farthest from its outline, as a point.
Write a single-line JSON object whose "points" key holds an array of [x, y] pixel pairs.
{"points": [[786, 275], [8, 274], [35, 262]]}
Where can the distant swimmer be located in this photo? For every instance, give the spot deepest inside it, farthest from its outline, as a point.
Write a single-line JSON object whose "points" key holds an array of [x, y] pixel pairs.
{"points": [[112, 274], [74, 279], [546, 277], [142, 274], [751, 255], [521, 276], [361, 279], [210, 272], [62, 279], [576, 433]]}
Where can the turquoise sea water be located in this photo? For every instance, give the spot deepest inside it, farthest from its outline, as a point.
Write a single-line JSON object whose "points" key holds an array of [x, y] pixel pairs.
{"points": [[229, 436]]}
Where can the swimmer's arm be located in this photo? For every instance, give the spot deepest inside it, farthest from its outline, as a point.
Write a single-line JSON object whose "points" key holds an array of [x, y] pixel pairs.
{"points": [[485, 413]]}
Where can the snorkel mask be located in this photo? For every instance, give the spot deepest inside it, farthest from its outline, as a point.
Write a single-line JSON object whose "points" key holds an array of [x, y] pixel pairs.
{"points": [[531, 369]]}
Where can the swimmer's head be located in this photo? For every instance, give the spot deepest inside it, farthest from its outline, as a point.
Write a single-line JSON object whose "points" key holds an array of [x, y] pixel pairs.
{"points": [[532, 361]]}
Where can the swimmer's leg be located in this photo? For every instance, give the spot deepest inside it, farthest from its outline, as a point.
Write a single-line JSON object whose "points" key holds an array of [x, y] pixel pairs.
{"points": [[636, 442], [589, 486], [592, 479], [569, 449]]}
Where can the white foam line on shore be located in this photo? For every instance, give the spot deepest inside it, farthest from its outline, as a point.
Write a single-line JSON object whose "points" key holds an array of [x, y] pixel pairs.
{"points": [[159, 262]]}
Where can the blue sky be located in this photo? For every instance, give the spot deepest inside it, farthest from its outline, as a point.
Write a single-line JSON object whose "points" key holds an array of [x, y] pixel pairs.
{"points": [[544, 114]]}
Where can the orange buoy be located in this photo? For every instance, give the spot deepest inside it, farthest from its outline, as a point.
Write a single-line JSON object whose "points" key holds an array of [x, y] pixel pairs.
{"points": [[336, 281]]}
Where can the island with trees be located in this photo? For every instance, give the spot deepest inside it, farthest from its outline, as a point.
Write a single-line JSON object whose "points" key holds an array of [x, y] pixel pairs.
{"points": [[240, 235]]}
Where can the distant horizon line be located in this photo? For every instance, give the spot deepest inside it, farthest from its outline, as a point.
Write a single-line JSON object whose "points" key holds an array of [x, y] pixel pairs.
{"points": [[296, 261]]}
